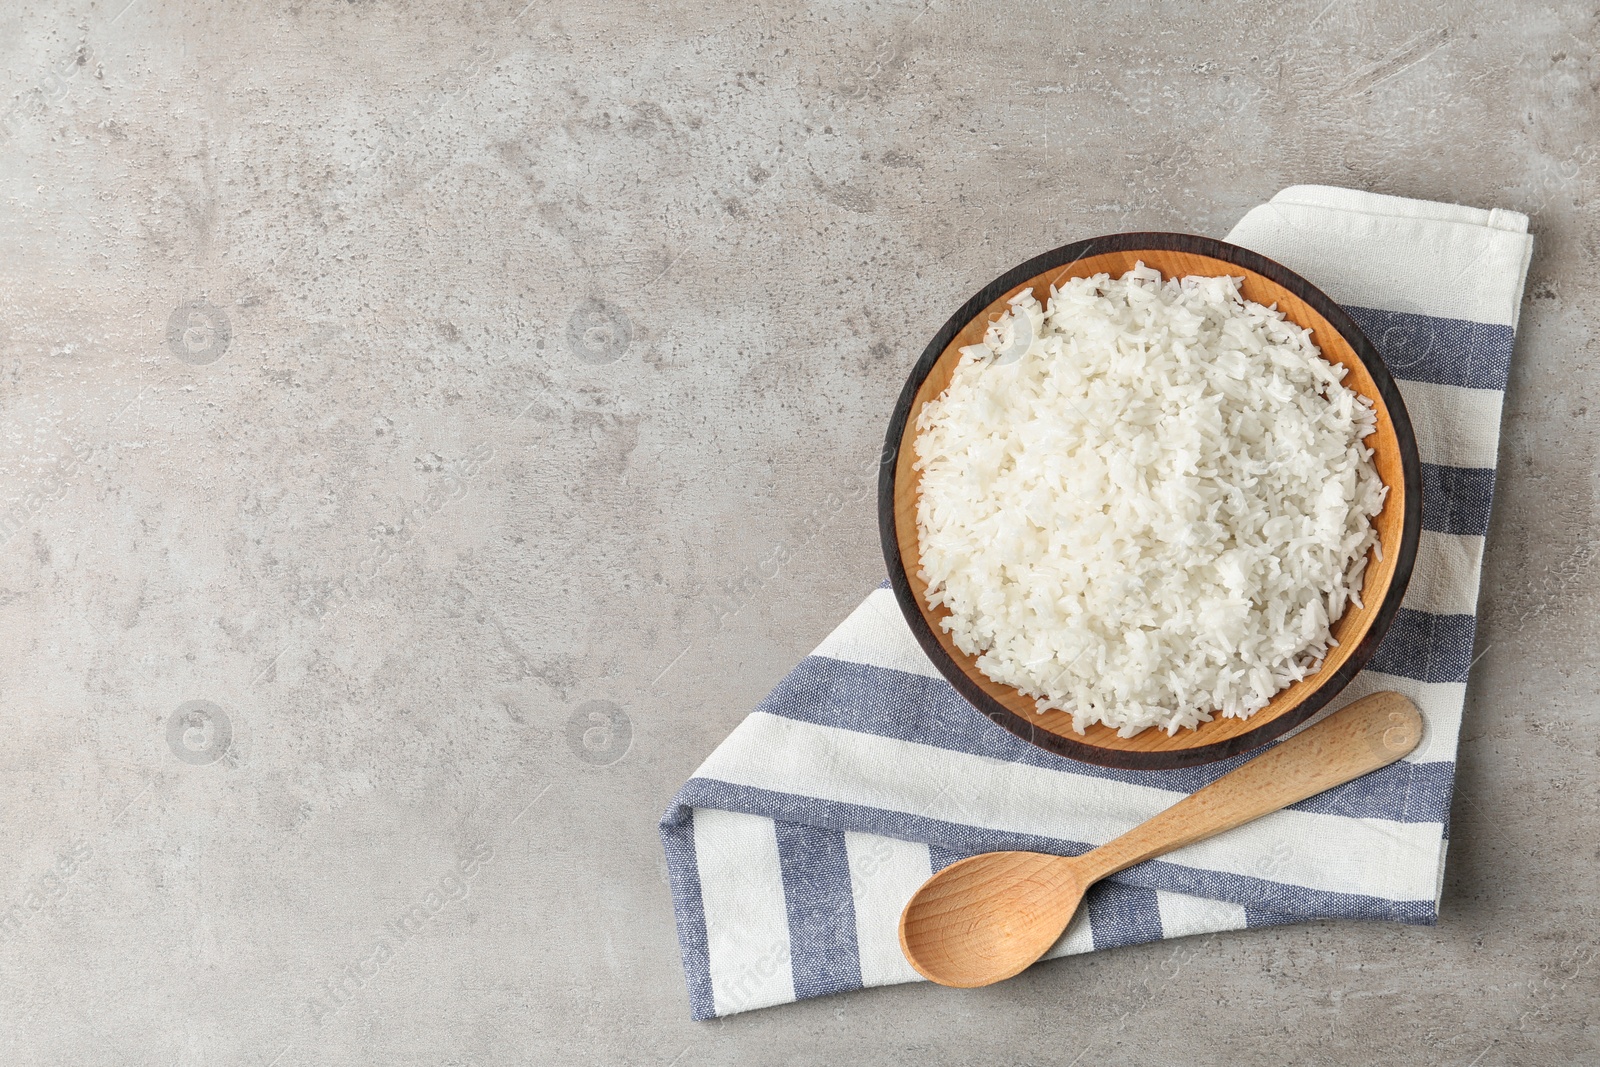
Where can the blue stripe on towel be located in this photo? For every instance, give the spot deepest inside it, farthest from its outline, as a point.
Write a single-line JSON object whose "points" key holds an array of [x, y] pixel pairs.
{"points": [[1257, 918], [1122, 914], [927, 711], [1429, 648], [1400, 792], [1456, 500], [1421, 348], [677, 839], [822, 913], [1277, 896]]}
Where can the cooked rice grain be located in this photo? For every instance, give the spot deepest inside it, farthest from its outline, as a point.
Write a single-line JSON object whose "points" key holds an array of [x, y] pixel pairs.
{"points": [[1146, 502]]}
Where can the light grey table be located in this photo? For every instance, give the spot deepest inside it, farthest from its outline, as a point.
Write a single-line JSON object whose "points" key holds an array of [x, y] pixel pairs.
{"points": [[389, 387]]}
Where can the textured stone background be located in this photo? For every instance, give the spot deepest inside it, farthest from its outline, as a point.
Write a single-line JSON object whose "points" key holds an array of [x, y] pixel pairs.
{"points": [[402, 378]]}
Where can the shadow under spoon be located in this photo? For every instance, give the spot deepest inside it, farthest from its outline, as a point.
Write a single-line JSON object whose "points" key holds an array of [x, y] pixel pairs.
{"points": [[987, 918]]}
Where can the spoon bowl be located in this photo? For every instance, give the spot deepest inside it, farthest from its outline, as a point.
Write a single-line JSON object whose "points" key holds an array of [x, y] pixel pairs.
{"points": [[989, 917], [1009, 908]]}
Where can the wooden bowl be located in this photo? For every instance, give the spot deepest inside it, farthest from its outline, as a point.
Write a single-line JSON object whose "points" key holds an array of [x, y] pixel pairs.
{"points": [[1358, 631]]}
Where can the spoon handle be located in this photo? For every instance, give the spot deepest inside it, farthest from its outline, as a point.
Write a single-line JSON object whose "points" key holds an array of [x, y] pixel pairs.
{"points": [[1370, 733]]}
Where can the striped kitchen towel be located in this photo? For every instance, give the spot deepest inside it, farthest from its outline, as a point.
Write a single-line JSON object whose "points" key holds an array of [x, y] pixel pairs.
{"points": [[795, 845]]}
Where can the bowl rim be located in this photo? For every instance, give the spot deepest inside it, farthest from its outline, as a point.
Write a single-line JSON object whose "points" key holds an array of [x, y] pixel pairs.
{"points": [[1411, 522]]}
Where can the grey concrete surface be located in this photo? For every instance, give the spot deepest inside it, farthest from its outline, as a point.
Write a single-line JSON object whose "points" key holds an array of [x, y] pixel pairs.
{"points": [[399, 379]]}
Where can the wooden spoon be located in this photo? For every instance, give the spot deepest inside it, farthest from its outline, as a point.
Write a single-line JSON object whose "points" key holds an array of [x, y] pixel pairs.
{"points": [[984, 919]]}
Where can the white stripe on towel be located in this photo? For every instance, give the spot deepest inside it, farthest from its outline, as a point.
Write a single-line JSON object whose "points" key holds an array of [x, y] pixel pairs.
{"points": [[1456, 426], [788, 756], [747, 922], [884, 873]]}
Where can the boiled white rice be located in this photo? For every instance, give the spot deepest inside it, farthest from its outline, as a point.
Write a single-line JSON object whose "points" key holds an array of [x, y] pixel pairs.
{"points": [[1147, 502]]}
